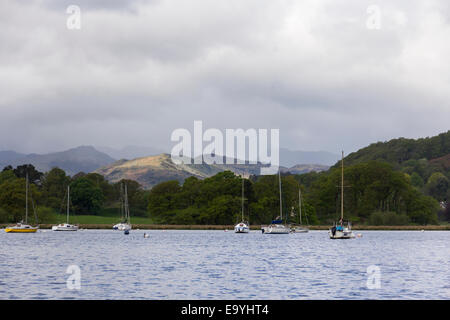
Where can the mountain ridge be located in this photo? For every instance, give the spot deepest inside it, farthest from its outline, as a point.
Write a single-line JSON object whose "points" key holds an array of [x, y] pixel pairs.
{"points": [[149, 171], [74, 160]]}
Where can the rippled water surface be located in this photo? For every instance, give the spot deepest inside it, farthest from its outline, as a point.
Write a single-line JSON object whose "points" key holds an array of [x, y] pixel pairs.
{"points": [[224, 265]]}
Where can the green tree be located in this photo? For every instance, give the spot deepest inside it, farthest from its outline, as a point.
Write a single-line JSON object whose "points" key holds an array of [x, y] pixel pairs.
{"points": [[223, 209], [34, 176], [54, 187], [7, 175], [437, 186], [12, 199], [86, 197], [163, 199], [416, 180]]}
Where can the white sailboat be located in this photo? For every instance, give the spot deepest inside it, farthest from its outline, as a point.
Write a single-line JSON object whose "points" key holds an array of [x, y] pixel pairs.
{"points": [[277, 226], [125, 225], [341, 229], [300, 228], [22, 227], [66, 226], [243, 226]]}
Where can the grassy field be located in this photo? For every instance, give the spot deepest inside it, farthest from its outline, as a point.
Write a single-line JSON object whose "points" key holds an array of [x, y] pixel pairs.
{"points": [[91, 219]]}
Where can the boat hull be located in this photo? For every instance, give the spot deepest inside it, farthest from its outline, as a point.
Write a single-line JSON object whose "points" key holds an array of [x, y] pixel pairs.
{"points": [[65, 228], [122, 227], [346, 234], [21, 230], [276, 229], [241, 228], [300, 230]]}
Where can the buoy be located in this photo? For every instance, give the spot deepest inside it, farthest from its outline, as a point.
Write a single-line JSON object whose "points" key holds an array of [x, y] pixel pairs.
{"points": [[127, 232], [146, 235], [359, 235]]}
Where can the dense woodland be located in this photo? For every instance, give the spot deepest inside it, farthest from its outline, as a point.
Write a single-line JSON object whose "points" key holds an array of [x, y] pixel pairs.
{"points": [[90, 194], [426, 161]]}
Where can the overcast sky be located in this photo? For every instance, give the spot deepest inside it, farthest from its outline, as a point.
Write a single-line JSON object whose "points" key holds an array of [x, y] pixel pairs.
{"points": [[133, 73]]}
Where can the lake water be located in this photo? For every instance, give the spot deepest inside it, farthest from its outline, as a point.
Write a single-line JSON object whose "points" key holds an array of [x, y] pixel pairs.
{"points": [[223, 265]]}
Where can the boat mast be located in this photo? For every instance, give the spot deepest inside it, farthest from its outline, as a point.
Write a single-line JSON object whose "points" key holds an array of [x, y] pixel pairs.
{"points": [[300, 204], [26, 198], [68, 201], [127, 211], [342, 187], [279, 183], [122, 214], [242, 198]]}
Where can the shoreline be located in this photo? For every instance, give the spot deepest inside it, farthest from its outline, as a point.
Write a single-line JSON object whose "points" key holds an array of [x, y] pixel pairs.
{"points": [[257, 227]]}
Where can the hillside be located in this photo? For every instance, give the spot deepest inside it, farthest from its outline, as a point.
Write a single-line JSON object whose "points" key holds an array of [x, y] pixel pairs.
{"points": [[426, 161], [397, 151], [84, 158], [288, 158], [149, 171], [7, 156]]}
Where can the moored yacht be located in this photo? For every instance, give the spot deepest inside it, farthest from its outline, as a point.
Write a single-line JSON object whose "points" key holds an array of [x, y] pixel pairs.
{"points": [[125, 225], [66, 226], [277, 226], [300, 228], [22, 227], [243, 226], [342, 229]]}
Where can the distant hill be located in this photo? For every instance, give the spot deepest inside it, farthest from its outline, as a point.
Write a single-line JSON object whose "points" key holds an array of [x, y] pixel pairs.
{"points": [[289, 158], [84, 158], [149, 171], [305, 168], [130, 152], [7, 156]]}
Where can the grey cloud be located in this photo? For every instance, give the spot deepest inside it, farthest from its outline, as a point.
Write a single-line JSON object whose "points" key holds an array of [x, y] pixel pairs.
{"points": [[138, 70]]}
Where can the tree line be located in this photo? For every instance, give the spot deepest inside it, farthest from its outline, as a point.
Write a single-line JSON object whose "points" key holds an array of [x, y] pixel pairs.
{"points": [[90, 194], [375, 193]]}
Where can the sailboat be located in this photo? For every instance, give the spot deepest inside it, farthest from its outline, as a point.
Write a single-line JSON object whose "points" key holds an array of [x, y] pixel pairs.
{"points": [[21, 227], [66, 226], [243, 226], [341, 229], [125, 224], [300, 228], [277, 226]]}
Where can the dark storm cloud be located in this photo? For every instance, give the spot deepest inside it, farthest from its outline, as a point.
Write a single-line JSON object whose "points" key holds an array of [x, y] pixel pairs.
{"points": [[139, 69]]}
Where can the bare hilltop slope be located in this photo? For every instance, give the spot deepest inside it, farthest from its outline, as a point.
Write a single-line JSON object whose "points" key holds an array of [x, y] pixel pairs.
{"points": [[149, 171]]}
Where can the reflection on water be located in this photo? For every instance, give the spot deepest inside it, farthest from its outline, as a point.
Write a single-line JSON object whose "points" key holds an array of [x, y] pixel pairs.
{"points": [[224, 265]]}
